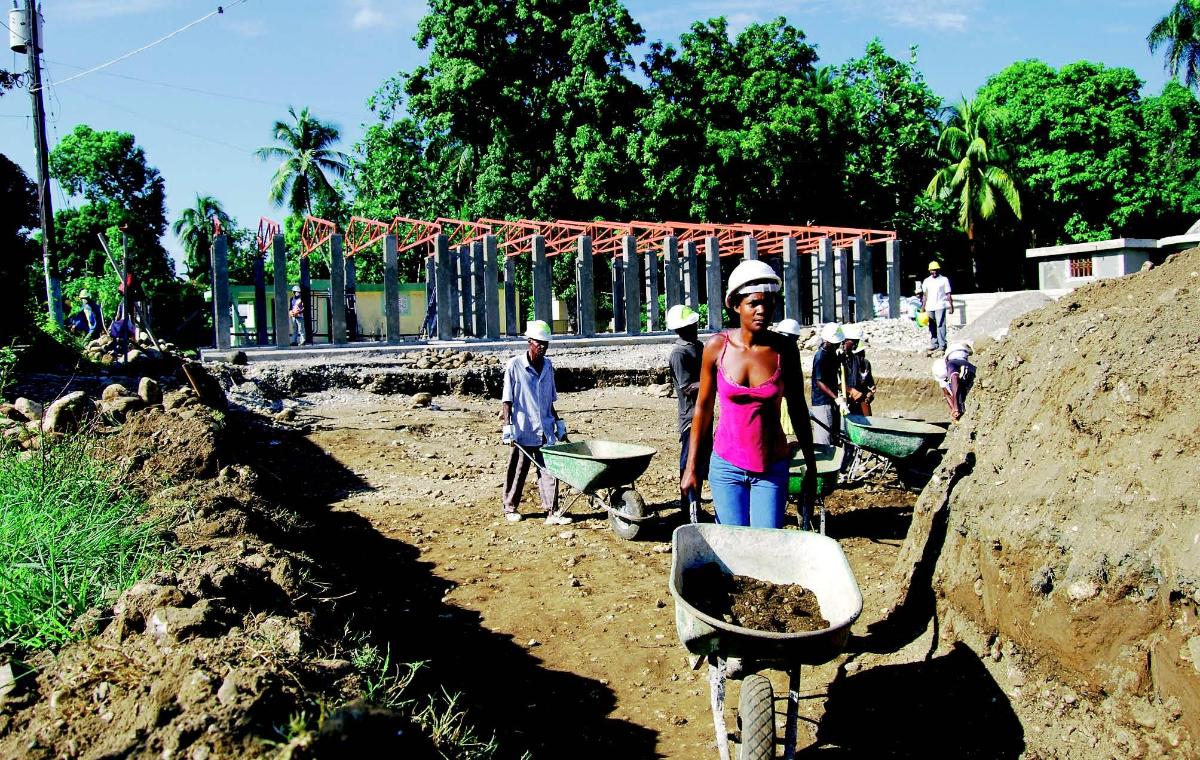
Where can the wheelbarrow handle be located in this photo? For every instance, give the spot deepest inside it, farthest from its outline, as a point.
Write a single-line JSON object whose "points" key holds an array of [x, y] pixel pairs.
{"points": [[837, 434]]}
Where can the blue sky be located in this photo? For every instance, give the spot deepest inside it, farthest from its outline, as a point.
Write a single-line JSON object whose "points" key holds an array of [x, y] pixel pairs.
{"points": [[202, 101]]}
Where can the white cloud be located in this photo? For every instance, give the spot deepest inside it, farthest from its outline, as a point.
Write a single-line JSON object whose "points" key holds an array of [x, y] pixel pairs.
{"points": [[250, 29], [939, 15], [383, 14], [936, 15]]}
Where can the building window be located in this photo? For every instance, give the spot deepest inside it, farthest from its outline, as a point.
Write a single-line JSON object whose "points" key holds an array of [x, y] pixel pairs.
{"points": [[1080, 266]]}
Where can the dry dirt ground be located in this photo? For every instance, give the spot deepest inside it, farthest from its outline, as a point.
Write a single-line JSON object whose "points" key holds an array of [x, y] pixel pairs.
{"points": [[592, 611]]}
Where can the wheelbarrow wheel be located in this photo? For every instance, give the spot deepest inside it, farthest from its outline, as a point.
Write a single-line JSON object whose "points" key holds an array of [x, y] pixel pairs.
{"points": [[756, 714], [626, 501]]}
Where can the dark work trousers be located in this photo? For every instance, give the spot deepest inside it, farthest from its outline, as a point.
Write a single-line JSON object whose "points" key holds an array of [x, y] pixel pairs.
{"points": [[514, 480]]}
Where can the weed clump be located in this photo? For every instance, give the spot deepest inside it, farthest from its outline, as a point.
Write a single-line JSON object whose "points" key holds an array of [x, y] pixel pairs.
{"points": [[70, 538]]}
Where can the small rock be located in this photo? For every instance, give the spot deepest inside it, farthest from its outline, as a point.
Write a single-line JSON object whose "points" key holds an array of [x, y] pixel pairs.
{"points": [[239, 358], [228, 690], [149, 391], [852, 667], [176, 624], [662, 549], [8, 681], [534, 643], [422, 399], [115, 391], [197, 686], [567, 535], [286, 415], [120, 408], [1083, 589], [31, 410], [67, 413]]}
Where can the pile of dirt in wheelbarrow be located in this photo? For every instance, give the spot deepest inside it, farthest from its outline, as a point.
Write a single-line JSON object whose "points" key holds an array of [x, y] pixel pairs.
{"points": [[753, 603], [1060, 534]]}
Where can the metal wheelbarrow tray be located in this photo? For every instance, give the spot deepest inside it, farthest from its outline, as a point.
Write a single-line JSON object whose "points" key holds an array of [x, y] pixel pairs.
{"points": [[605, 470], [892, 438], [777, 556], [829, 464]]}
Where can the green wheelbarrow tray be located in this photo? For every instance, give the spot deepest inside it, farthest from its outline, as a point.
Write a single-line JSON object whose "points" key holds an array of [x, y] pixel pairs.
{"points": [[894, 438], [590, 466], [829, 464]]}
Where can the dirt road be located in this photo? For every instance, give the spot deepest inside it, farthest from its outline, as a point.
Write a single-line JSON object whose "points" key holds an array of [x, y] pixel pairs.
{"points": [[603, 667]]}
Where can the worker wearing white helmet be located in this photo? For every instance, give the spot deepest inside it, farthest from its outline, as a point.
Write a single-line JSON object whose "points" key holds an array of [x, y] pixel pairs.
{"points": [[751, 370], [828, 406], [296, 314], [531, 422], [93, 319], [685, 374], [856, 370]]}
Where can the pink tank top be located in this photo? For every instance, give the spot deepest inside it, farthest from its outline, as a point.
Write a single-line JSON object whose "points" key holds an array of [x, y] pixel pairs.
{"points": [[749, 434]]}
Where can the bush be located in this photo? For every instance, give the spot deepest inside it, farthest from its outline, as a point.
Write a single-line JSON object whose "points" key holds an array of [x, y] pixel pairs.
{"points": [[70, 538]]}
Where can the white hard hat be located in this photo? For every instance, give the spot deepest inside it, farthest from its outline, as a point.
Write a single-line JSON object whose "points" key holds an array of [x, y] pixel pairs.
{"points": [[295, 288], [789, 327], [851, 332], [538, 330], [752, 276], [966, 346], [832, 333], [939, 369], [680, 316]]}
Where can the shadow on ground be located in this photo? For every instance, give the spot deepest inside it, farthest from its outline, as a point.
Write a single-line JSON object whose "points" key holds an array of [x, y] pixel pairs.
{"points": [[947, 706], [379, 585]]}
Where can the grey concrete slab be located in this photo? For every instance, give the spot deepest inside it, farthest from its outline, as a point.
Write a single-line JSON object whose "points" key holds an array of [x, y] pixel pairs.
{"points": [[749, 248], [222, 300], [843, 283], [791, 281], [478, 291], [445, 278], [691, 274], [466, 300], [864, 281], [391, 290], [512, 322], [307, 299], [283, 325], [633, 278], [653, 320], [491, 279], [337, 291], [828, 306], [672, 279], [585, 288], [260, 300], [895, 285], [618, 293], [543, 286], [716, 296]]}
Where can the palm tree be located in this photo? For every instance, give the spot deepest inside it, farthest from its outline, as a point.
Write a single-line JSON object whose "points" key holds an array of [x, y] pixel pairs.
{"points": [[306, 161], [974, 171], [1179, 30], [194, 228]]}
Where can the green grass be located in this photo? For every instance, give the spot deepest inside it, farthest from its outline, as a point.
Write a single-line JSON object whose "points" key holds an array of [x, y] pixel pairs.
{"points": [[70, 538]]}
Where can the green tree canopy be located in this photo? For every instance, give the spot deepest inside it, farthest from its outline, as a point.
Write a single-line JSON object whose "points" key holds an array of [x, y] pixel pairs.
{"points": [[1179, 33], [308, 164], [194, 228], [18, 215]]}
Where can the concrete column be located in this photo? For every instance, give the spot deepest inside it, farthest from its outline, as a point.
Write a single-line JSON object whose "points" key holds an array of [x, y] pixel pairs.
{"points": [[260, 300], [477, 288], [618, 286], [691, 274], [352, 331], [843, 283], [306, 297], [805, 279], [894, 286], [391, 290], [466, 301], [337, 291], [444, 278], [454, 277], [749, 248], [791, 281], [491, 288], [512, 323], [672, 282], [652, 318], [716, 297], [828, 305], [543, 289], [283, 323], [585, 288], [633, 277], [222, 318], [864, 282]]}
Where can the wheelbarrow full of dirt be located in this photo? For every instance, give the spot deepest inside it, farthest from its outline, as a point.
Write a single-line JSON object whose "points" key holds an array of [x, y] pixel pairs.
{"points": [[604, 471], [779, 557]]}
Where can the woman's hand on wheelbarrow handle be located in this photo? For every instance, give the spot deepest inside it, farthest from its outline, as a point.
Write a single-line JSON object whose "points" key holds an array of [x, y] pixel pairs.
{"points": [[689, 483]]}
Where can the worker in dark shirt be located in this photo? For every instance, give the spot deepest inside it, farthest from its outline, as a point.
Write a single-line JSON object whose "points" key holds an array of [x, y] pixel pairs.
{"points": [[860, 380], [826, 404], [685, 374]]}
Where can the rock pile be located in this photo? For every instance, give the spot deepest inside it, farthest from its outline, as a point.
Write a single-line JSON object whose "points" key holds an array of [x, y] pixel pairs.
{"points": [[447, 358], [104, 350]]}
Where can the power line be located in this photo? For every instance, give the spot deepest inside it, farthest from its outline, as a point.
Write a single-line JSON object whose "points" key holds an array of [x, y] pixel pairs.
{"points": [[220, 10], [161, 123]]}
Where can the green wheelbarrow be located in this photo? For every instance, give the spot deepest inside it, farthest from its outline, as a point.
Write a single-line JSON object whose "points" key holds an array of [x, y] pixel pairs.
{"points": [[829, 465], [604, 471], [886, 441]]}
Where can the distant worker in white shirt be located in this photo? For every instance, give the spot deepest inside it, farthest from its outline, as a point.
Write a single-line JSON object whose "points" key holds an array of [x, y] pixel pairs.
{"points": [[936, 301], [530, 422]]}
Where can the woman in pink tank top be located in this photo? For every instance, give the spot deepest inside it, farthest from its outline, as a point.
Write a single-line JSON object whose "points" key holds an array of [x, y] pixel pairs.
{"points": [[751, 369]]}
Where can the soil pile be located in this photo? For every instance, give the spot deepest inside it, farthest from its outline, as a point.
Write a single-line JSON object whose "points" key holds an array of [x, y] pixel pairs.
{"points": [[753, 603], [1066, 516]]}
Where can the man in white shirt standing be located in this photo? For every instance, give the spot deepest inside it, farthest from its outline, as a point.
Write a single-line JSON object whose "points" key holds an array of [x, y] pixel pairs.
{"points": [[530, 422], [937, 302]]}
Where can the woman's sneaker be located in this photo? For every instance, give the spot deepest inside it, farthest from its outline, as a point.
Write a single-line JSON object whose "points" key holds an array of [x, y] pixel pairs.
{"points": [[558, 520], [512, 516]]}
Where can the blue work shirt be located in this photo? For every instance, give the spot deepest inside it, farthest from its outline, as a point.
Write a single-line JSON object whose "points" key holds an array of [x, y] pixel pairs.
{"points": [[531, 394]]}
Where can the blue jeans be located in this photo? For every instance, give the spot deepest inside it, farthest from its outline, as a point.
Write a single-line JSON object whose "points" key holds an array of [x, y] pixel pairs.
{"points": [[937, 328], [740, 497]]}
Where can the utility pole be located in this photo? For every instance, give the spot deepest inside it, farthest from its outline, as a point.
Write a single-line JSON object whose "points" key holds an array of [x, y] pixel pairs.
{"points": [[46, 212]]}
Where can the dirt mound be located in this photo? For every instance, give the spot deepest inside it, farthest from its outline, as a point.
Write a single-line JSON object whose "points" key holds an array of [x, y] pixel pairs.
{"points": [[994, 322], [1066, 517]]}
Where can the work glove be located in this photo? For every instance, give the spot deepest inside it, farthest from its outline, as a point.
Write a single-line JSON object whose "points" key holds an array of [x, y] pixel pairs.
{"points": [[560, 429], [842, 406], [506, 434]]}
